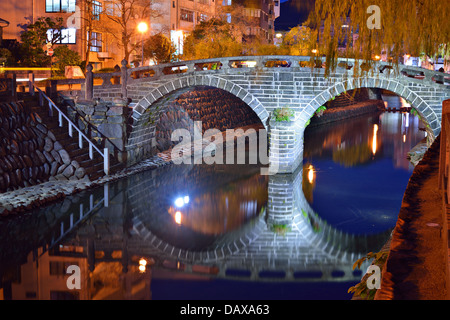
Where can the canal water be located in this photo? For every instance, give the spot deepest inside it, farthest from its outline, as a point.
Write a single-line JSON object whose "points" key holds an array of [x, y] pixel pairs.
{"points": [[205, 231]]}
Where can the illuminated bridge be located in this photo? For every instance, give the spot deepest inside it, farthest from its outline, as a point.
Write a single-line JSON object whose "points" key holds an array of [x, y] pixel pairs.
{"points": [[266, 83]]}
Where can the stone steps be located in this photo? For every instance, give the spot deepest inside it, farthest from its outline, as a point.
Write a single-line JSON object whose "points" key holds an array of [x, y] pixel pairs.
{"points": [[93, 168]]}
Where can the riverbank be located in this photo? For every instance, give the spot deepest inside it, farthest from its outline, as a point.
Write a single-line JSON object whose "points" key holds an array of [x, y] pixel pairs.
{"points": [[34, 197], [417, 265], [351, 111]]}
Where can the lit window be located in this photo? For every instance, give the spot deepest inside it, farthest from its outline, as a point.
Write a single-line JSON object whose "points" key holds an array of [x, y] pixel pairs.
{"points": [[60, 5], [95, 42], [186, 15], [96, 10], [63, 36], [201, 17]]}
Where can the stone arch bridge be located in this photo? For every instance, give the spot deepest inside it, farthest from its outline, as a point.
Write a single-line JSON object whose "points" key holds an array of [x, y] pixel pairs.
{"points": [[266, 83]]}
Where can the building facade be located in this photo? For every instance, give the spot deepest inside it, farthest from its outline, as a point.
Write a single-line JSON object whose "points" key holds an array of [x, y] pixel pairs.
{"points": [[87, 22], [103, 53]]}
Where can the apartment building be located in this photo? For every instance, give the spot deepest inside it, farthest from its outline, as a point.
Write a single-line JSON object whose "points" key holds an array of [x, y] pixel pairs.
{"points": [[177, 18], [262, 13], [103, 51], [174, 18]]}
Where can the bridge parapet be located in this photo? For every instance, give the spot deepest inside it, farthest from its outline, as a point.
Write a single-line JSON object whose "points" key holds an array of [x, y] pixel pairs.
{"points": [[227, 64], [265, 83]]}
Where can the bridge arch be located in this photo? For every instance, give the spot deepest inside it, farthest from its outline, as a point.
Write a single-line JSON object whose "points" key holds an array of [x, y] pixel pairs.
{"points": [[392, 85], [141, 134]]}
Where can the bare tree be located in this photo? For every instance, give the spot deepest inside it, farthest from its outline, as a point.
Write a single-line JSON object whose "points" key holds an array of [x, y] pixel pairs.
{"points": [[122, 18]]}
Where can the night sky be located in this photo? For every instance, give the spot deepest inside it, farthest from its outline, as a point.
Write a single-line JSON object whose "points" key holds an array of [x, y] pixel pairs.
{"points": [[293, 13]]}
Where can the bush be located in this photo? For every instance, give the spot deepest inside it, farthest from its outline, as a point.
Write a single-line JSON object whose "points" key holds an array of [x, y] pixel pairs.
{"points": [[65, 57]]}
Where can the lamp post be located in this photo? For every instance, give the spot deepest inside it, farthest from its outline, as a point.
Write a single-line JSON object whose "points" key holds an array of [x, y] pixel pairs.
{"points": [[142, 28]]}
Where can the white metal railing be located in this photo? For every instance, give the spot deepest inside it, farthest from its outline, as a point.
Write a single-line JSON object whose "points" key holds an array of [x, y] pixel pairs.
{"points": [[71, 126], [82, 216]]}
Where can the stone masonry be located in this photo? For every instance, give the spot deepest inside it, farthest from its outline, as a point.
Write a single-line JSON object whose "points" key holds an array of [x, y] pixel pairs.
{"points": [[264, 89]]}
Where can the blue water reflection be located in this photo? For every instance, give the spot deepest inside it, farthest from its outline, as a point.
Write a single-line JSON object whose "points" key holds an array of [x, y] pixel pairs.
{"points": [[361, 169], [208, 232]]}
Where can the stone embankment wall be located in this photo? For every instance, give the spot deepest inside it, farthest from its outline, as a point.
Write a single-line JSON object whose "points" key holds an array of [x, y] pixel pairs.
{"points": [[107, 119], [347, 112], [215, 108], [349, 104], [349, 98], [29, 152]]}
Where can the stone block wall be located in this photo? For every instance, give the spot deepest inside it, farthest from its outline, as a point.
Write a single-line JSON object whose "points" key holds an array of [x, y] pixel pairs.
{"points": [[101, 119], [29, 152], [285, 145], [215, 108], [283, 195], [348, 98]]}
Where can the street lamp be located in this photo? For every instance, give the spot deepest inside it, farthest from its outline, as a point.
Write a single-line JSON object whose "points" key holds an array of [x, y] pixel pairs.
{"points": [[142, 28]]}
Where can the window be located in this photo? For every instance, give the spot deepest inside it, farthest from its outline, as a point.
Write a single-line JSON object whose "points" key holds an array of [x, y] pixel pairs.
{"points": [[186, 15], [253, 12], [226, 2], [68, 36], [201, 17], [95, 42], [59, 268], [96, 10], [112, 9], [64, 295], [60, 5]]}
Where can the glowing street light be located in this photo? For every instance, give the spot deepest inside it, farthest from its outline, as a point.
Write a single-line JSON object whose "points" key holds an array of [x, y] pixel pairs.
{"points": [[142, 265], [142, 28]]}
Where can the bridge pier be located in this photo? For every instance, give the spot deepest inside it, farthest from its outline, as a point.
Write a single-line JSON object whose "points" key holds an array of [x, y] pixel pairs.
{"points": [[283, 195], [285, 145]]}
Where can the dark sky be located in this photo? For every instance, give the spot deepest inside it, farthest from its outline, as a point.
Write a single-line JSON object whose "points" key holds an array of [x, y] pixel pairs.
{"points": [[293, 13]]}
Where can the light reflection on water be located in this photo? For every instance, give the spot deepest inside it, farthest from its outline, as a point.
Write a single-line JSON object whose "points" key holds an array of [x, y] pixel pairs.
{"points": [[206, 228], [361, 169]]}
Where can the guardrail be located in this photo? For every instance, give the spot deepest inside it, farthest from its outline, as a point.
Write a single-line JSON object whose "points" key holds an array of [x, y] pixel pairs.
{"points": [[192, 66], [83, 215], [116, 83], [81, 136]]}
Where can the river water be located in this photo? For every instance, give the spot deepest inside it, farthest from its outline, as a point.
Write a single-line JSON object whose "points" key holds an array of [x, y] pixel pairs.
{"points": [[205, 231]]}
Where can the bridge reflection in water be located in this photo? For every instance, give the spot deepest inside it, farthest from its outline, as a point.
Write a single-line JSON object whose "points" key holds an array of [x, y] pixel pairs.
{"points": [[223, 221]]}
